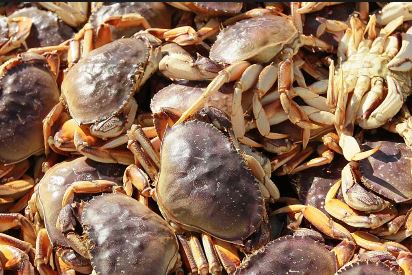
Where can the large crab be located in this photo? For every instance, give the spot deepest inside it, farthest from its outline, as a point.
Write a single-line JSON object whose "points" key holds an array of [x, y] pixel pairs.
{"points": [[28, 90], [216, 178], [372, 80], [276, 38], [119, 235], [46, 203], [105, 81]]}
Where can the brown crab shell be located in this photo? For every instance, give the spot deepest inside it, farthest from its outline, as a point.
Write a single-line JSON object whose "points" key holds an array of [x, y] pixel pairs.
{"points": [[52, 186], [204, 185], [257, 39], [127, 237], [158, 14], [388, 171], [47, 29], [28, 91], [101, 84], [290, 255], [181, 97], [367, 267]]}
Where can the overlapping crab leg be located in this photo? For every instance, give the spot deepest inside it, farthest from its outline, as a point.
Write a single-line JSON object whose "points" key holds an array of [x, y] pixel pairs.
{"points": [[318, 219], [343, 212], [12, 220], [17, 35], [43, 252]]}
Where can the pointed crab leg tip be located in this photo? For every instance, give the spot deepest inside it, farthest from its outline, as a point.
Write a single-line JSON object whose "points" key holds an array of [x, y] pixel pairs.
{"points": [[366, 154]]}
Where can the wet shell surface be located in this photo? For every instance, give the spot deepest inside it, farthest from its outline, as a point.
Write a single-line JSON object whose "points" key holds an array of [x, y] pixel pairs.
{"points": [[291, 255], [367, 268], [127, 237], [388, 171], [204, 185], [28, 91], [252, 37], [57, 179], [101, 84]]}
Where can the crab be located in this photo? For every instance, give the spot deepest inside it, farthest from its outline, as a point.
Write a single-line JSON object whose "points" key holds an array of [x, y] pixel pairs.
{"points": [[13, 32], [119, 235], [394, 10], [377, 262], [377, 192], [195, 137], [302, 255], [284, 41], [46, 30], [371, 63], [107, 108], [46, 203], [28, 91], [112, 21]]}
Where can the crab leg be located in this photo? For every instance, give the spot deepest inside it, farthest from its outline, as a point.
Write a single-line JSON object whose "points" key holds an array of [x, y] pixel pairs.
{"points": [[246, 81], [344, 252], [69, 262], [134, 176], [371, 242], [394, 10], [343, 212], [267, 78], [84, 187], [228, 255], [295, 113], [44, 251], [295, 161], [326, 157], [17, 188], [186, 35], [214, 264], [194, 254], [15, 259], [177, 63], [331, 26], [48, 122], [228, 74], [308, 7], [22, 245], [318, 219], [17, 38], [12, 220]]}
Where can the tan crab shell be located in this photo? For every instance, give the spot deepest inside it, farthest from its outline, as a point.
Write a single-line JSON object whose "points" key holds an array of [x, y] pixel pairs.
{"points": [[257, 39], [101, 84], [28, 91]]}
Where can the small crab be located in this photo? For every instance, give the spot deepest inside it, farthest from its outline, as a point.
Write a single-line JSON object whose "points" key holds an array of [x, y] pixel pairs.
{"points": [[105, 81], [46, 30], [373, 80], [120, 235], [13, 32], [213, 170], [46, 203]]}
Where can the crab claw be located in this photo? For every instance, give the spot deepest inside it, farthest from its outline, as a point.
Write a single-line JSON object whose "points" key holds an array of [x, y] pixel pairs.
{"points": [[403, 60], [394, 10]]}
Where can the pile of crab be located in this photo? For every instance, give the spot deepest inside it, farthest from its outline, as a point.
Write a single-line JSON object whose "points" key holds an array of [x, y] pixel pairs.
{"points": [[205, 138]]}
